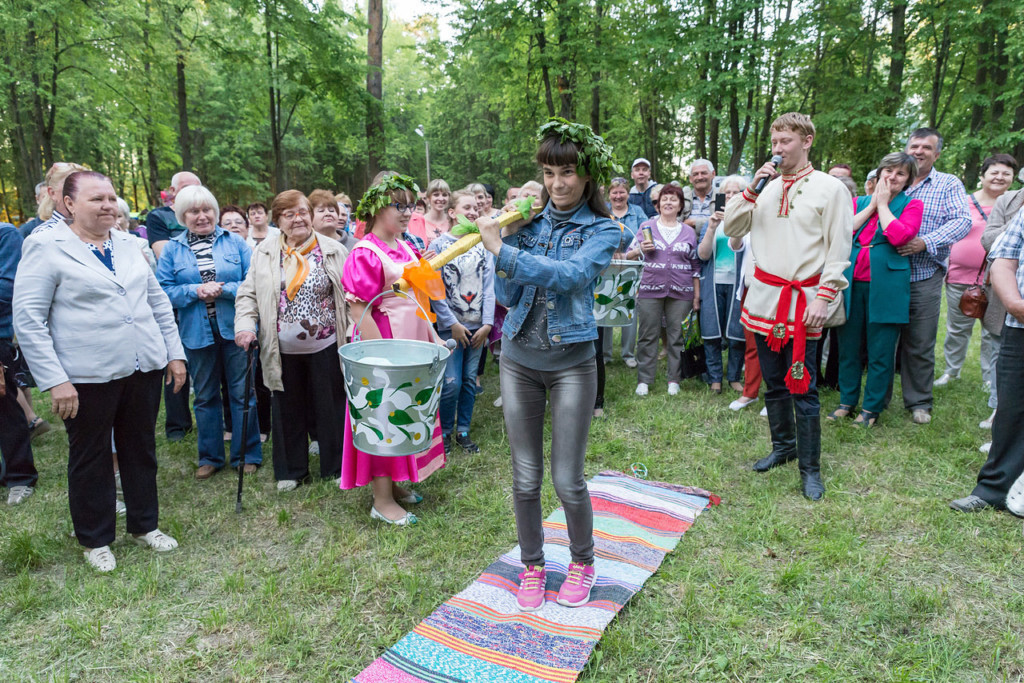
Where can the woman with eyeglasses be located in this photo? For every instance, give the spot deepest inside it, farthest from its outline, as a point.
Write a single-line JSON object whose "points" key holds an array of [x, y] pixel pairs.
{"points": [[293, 297], [374, 264]]}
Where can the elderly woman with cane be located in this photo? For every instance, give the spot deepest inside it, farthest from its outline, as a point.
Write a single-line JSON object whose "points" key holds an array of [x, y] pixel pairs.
{"points": [[201, 269], [293, 298], [98, 333]]}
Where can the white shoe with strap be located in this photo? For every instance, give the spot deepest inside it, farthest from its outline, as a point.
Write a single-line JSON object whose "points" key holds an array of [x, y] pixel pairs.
{"points": [[157, 540], [101, 559]]}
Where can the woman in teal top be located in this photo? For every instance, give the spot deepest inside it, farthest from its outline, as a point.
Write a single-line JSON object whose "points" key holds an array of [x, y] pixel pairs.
{"points": [[878, 299]]}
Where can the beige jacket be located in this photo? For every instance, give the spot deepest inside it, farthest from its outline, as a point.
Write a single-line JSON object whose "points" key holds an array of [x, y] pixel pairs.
{"points": [[257, 299]]}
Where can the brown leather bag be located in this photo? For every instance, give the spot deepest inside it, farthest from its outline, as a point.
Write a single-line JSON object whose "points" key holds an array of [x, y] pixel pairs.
{"points": [[974, 301]]}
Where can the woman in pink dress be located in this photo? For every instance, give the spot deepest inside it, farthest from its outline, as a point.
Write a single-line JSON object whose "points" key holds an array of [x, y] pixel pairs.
{"points": [[373, 265]]}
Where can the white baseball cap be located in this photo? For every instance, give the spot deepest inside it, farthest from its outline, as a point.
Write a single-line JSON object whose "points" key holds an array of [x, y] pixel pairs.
{"points": [[641, 160]]}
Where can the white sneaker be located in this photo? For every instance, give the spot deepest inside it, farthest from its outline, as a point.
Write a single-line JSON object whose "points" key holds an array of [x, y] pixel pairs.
{"points": [[920, 416], [117, 482], [764, 412], [287, 485], [1015, 498], [945, 379], [101, 559], [18, 494], [987, 424], [673, 388], [641, 389], [314, 448], [157, 540], [120, 508], [985, 447], [497, 402], [741, 403], [630, 363]]}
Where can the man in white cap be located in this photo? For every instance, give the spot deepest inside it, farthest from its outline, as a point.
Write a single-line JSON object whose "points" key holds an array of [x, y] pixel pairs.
{"points": [[640, 193]]}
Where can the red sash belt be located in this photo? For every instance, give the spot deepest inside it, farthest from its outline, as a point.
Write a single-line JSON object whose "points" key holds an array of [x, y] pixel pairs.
{"points": [[798, 379]]}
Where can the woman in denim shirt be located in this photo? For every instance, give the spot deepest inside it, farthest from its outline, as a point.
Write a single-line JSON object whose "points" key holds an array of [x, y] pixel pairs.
{"points": [[545, 276], [200, 270]]}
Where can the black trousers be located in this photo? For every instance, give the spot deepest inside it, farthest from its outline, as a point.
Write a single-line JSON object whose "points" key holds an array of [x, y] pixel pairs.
{"points": [[15, 440], [775, 365], [178, 414], [1006, 457], [129, 406], [314, 394], [599, 345]]}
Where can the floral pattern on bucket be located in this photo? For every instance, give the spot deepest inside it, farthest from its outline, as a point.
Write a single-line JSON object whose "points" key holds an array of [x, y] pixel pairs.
{"points": [[615, 294]]}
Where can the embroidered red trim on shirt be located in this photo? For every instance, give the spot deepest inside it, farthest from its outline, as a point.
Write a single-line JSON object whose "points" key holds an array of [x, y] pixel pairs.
{"points": [[787, 183]]}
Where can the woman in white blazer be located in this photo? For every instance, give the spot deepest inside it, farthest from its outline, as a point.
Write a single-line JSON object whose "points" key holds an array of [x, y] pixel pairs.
{"points": [[98, 333]]}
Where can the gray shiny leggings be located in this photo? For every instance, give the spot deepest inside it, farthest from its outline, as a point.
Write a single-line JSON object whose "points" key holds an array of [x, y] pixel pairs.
{"points": [[523, 394]]}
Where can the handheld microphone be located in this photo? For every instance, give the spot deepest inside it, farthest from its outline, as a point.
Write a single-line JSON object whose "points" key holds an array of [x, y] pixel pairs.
{"points": [[450, 344], [776, 160]]}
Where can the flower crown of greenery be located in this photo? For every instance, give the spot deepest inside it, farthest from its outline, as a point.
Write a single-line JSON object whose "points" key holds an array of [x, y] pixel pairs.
{"points": [[595, 159], [379, 196]]}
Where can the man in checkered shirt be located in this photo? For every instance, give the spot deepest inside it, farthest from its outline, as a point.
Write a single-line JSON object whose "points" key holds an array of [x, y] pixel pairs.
{"points": [[946, 221], [1000, 481]]}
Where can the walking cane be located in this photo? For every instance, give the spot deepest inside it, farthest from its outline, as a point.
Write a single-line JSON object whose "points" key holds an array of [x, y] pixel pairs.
{"points": [[249, 370]]}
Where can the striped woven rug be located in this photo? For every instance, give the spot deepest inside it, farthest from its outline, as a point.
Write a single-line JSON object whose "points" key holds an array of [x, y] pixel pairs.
{"points": [[481, 636]]}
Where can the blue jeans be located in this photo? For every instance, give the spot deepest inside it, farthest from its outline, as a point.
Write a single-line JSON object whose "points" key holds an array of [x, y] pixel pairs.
{"points": [[459, 389], [713, 347], [206, 366]]}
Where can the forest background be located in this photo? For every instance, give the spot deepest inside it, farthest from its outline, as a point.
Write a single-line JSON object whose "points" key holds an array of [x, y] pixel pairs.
{"points": [[258, 96]]}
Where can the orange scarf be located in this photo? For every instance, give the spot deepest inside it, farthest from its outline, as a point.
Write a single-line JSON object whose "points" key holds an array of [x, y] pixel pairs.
{"points": [[295, 265]]}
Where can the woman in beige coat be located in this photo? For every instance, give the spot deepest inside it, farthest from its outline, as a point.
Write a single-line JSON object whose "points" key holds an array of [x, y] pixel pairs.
{"points": [[292, 297]]}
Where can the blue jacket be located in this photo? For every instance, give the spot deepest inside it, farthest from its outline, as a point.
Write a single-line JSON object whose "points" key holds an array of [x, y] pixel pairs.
{"points": [[710, 316], [178, 274], [583, 248], [631, 221], [10, 255]]}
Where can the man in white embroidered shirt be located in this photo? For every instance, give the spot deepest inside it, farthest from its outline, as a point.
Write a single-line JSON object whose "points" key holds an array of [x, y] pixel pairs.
{"points": [[801, 226]]}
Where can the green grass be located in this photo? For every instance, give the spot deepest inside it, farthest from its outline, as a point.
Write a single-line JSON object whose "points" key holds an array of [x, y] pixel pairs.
{"points": [[880, 582]]}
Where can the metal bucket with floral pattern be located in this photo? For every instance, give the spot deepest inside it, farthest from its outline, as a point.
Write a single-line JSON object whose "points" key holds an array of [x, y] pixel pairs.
{"points": [[393, 389], [615, 293]]}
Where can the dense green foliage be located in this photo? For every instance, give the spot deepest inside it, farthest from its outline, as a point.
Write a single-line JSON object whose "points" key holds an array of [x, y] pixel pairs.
{"points": [[262, 95]]}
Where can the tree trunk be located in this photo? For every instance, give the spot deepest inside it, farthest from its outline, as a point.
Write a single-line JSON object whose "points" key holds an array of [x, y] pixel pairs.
{"points": [[941, 65], [542, 45], [374, 85], [595, 90], [985, 40], [184, 134]]}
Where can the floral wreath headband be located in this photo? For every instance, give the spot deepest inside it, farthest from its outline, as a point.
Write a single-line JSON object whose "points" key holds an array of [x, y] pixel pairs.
{"points": [[379, 196], [595, 157]]}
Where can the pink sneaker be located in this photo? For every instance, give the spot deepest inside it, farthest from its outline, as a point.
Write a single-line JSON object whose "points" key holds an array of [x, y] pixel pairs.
{"points": [[575, 590], [532, 583]]}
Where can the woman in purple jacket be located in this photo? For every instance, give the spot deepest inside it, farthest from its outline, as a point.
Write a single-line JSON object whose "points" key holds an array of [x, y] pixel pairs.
{"points": [[667, 289]]}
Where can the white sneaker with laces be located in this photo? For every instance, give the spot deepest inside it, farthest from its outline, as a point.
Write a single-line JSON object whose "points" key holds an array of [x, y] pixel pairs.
{"points": [[945, 379], [673, 388], [286, 485], [987, 424], [630, 363], [157, 540], [101, 559], [985, 447], [641, 389], [314, 448], [18, 494]]}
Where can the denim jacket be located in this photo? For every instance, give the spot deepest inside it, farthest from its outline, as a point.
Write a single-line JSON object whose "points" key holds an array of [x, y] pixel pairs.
{"points": [[583, 247], [178, 274]]}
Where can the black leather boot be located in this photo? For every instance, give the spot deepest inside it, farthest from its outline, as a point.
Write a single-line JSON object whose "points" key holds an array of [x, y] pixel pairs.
{"points": [[783, 428], [808, 448]]}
